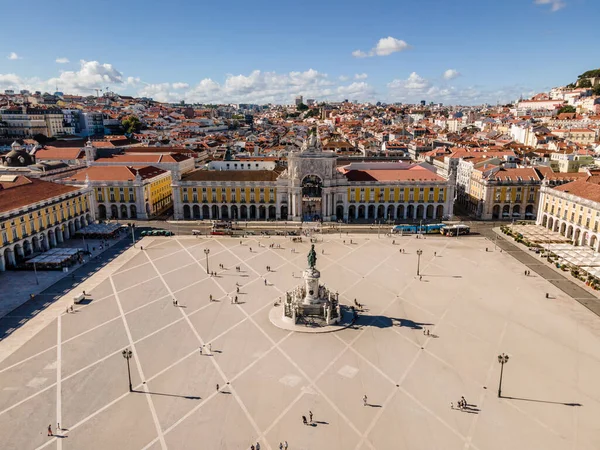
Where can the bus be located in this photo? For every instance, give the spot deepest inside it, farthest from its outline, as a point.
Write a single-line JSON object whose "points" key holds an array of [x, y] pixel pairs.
{"points": [[455, 230], [221, 228], [421, 229]]}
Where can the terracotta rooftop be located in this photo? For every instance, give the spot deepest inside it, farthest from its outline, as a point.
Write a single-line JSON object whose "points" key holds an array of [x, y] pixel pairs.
{"points": [[144, 158], [115, 173], [232, 175], [58, 153], [23, 191], [415, 173], [583, 189]]}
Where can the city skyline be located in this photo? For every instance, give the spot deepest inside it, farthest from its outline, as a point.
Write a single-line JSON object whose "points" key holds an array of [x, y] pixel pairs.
{"points": [[389, 52]]}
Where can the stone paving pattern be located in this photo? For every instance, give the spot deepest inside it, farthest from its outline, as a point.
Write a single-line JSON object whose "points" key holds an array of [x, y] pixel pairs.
{"points": [[476, 304]]}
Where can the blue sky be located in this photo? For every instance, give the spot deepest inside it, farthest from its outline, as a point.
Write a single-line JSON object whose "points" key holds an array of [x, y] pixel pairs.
{"points": [[458, 52]]}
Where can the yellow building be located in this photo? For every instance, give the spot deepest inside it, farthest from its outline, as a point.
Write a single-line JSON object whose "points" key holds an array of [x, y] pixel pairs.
{"points": [[573, 210], [126, 192], [497, 193], [36, 215]]}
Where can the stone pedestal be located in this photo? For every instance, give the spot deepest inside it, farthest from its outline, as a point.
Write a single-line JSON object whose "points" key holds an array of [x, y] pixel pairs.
{"points": [[311, 281]]}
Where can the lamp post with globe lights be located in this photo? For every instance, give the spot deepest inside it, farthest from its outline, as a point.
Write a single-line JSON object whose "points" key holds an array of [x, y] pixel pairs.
{"points": [[502, 359], [206, 252], [128, 354]]}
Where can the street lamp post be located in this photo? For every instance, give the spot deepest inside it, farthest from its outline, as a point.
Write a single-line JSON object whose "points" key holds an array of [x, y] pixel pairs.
{"points": [[502, 359], [128, 354], [419, 253], [35, 273], [132, 228], [206, 252]]}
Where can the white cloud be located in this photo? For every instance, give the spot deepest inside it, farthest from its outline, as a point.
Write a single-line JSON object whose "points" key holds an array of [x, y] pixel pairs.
{"points": [[384, 47], [180, 85], [361, 76], [359, 54], [91, 75], [414, 83], [344, 78], [450, 74], [14, 56], [416, 88], [62, 60], [555, 5], [272, 87]]}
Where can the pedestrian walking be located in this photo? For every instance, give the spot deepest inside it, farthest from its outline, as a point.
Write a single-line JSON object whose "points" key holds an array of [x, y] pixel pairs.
{"points": [[67, 311], [71, 308], [217, 387], [252, 447], [209, 348], [237, 290], [58, 426], [210, 297], [280, 446], [265, 281], [285, 446], [141, 247], [547, 296], [420, 277], [176, 303], [200, 348], [365, 400], [310, 416], [257, 446], [451, 405], [50, 430], [173, 301], [304, 420], [236, 299]]}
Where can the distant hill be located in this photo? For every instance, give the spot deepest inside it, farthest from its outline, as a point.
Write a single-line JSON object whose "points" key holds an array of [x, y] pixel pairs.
{"points": [[590, 74]]}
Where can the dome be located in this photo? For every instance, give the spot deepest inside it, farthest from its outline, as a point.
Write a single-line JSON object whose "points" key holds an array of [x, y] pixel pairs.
{"points": [[17, 157]]}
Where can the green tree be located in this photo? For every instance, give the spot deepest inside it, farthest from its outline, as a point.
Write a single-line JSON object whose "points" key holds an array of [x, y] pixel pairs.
{"points": [[596, 90], [131, 124], [585, 83], [301, 107], [566, 109]]}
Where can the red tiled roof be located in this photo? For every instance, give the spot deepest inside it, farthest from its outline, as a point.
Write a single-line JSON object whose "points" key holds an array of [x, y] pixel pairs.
{"points": [[583, 189], [115, 173], [57, 153], [24, 191], [415, 173]]}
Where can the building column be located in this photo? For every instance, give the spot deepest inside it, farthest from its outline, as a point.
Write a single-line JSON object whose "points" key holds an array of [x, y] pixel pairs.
{"points": [[67, 234], [59, 235], [2, 264], [20, 252], [11, 258], [177, 206], [52, 240]]}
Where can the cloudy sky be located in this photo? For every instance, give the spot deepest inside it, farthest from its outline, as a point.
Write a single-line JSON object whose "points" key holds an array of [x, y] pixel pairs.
{"points": [[455, 52]]}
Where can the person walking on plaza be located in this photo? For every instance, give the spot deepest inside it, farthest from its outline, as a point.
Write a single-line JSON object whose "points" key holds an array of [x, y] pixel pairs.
{"points": [[280, 446], [209, 348], [200, 350], [258, 446], [217, 387], [285, 446], [365, 400], [50, 430], [310, 416], [304, 420]]}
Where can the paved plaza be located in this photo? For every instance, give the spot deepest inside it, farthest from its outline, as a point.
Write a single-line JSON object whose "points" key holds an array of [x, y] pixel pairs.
{"points": [[475, 304]]}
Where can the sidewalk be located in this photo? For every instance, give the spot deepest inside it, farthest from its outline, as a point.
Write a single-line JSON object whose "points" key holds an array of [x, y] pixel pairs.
{"points": [[556, 277], [18, 285]]}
